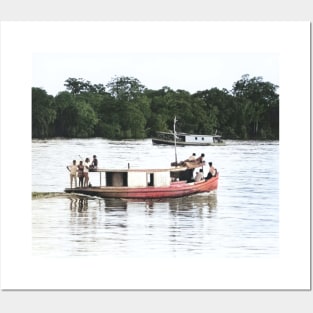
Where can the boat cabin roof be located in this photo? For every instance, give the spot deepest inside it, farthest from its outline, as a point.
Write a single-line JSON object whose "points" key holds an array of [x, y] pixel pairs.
{"points": [[138, 178], [154, 170], [187, 134]]}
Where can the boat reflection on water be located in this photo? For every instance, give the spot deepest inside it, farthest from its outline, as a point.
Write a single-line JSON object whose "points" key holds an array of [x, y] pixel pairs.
{"points": [[114, 205], [199, 202], [78, 204], [120, 227], [205, 201]]}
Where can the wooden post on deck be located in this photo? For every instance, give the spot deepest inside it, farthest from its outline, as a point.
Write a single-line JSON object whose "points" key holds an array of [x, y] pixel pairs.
{"points": [[174, 128]]}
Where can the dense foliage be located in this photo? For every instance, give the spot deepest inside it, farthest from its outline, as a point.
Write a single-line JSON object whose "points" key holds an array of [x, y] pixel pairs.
{"points": [[125, 109]]}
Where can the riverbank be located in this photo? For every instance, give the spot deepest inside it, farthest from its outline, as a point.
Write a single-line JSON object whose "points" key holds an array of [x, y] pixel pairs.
{"points": [[40, 195]]}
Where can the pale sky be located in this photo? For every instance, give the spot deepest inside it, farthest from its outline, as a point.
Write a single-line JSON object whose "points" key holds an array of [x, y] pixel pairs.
{"points": [[188, 71], [188, 56]]}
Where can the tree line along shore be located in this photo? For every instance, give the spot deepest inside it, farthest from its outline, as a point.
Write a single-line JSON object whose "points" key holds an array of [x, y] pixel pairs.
{"points": [[125, 109]]}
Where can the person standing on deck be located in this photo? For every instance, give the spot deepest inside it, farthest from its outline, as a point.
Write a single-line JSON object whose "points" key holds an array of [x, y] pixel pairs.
{"points": [[73, 173], [86, 172], [81, 174]]}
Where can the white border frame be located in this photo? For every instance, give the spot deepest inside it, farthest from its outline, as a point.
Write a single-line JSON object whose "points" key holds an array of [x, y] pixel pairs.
{"points": [[19, 270]]}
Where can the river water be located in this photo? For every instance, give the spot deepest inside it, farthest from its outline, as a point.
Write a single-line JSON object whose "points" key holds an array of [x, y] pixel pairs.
{"points": [[240, 219]]}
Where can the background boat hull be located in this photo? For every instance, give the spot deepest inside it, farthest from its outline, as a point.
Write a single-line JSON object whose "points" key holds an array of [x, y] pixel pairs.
{"points": [[180, 143]]}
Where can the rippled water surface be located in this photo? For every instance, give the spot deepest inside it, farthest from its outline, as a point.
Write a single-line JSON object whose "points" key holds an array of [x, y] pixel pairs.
{"points": [[240, 219]]}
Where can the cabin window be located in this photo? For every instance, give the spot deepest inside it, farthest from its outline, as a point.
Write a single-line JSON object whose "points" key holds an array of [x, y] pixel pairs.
{"points": [[196, 138], [150, 179], [125, 180], [109, 178], [202, 138], [116, 179]]}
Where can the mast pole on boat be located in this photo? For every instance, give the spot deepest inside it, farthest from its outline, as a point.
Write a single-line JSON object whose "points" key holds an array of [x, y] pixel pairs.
{"points": [[175, 139]]}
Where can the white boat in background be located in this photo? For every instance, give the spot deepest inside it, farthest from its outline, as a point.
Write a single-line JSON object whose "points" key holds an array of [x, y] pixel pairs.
{"points": [[185, 139]]}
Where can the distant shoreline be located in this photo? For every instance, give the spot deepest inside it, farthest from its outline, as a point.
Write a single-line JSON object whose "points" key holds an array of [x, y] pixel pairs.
{"points": [[40, 195], [134, 139]]}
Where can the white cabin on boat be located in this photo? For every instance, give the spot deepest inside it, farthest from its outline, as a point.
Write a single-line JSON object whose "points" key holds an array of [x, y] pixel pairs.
{"points": [[201, 138], [187, 139], [135, 178]]}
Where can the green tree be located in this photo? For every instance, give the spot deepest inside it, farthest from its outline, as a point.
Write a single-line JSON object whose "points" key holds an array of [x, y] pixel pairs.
{"points": [[220, 111], [63, 102], [76, 86], [83, 120], [159, 108], [256, 97], [75, 117], [161, 116], [43, 114], [125, 88], [79, 85], [124, 108], [132, 107]]}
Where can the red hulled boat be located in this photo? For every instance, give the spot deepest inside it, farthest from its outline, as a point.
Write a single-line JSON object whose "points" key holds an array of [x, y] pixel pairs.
{"points": [[147, 184], [176, 181]]}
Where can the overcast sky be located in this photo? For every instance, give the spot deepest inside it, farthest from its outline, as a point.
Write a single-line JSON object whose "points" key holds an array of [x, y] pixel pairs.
{"points": [[188, 71], [189, 56]]}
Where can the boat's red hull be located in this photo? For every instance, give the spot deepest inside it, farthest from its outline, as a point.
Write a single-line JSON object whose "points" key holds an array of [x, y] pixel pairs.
{"points": [[176, 189]]}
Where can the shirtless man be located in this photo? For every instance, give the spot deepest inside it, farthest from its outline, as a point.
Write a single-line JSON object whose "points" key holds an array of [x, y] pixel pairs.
{"points": [[73, 173], [212, 171]]}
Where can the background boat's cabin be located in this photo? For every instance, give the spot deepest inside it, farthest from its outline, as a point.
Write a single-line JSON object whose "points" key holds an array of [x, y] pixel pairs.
{"points": [[202, 139], [169, 136]]}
